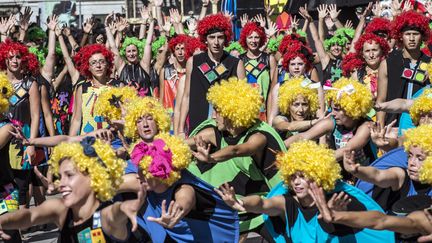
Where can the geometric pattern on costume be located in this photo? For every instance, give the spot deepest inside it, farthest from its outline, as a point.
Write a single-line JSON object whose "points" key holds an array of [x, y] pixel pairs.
{"points": [[90, 122], [258, 75], [8, 198], [212, 74], [311, 230]]}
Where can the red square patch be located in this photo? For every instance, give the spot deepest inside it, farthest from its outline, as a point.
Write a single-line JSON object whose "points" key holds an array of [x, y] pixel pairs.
{"points": [[204, 68]]}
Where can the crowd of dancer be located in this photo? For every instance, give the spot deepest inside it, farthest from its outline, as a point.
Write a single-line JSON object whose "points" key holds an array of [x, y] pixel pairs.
{"points": [[170, 131]]}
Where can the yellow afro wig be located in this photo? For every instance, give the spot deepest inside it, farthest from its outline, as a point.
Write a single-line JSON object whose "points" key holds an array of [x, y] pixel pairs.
{"points": [[109, 101], [353, 97], [145, 106], [419, 136], [236, 100], [105, 170], [316, 162], [6, 91], [422, 105], [292, 89], [181, 157], [426, 171]]}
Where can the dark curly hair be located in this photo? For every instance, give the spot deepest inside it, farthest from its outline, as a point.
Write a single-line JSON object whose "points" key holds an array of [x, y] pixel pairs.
{"points": [[350, 63], [215, 23], [379, 26], [289, 40], [29, 61], [81, 59], [410, 20], [368, 38], [248, 29], [297, 49]]}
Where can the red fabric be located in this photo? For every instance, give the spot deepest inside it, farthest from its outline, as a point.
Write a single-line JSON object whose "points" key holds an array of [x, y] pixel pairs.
{"points": [[215, 21], [410, 19], [297, 49], [29, 61], [248, 29], [82, 58], [369, 38]]}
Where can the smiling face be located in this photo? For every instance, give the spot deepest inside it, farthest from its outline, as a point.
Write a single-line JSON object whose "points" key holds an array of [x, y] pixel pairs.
{"points": [[297, 67], [132, 54], [147, 128], [75, 187], [215, 42], [416, 157], [14, 61], [300, 185], [98, 65], [253, 41], [336, 50]]}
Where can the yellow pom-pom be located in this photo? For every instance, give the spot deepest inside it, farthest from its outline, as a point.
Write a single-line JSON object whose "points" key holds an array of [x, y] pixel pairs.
{"points": [[356, 104], [316, 162], [419, 136], [422, 105], [6, 91], [236, 100], [290, 90], [105, 103]]}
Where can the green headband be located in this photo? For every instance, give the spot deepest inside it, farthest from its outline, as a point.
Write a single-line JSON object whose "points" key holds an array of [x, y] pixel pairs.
{"points": [[132, 41]]}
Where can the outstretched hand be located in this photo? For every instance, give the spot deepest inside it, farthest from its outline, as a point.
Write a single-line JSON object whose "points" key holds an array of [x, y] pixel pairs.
{"points": [[227, 193], [203, 150], [349, 162], [131, 207], [170, 217], [317, 194]]}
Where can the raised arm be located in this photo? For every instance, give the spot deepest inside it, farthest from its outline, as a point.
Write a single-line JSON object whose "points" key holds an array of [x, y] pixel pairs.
{"points": [[87, 28], [118, 61], [204, 8], [360, 26], [382, 89], [73, 72], [24, 23], [184, 109], [322, 13], [48, 69], [147, 56]]}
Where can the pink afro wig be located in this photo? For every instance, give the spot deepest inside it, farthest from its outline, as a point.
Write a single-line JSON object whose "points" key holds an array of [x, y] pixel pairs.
{"points": [[378, 26], [369, 38], [82, 58], [351, 63], [215, 23], [410, 21], [29, 61], [192, 45], [297, 49], [248, 29], [289, 40]]}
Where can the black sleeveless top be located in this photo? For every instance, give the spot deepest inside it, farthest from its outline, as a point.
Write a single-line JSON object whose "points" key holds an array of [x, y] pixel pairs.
{"points": [[135, 76], [204, 74], [263, 58], [397, 87], [332, 71]]}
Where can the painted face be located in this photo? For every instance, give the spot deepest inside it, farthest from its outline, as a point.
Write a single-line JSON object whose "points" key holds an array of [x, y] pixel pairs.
{"points": [[300, 185], [299, 109], [339, 115], [14, 61], [75, 187], [425, 118], [416, 157], [98, 65], [411, 39], [215, 42], [336, 50], [132, 54], [253, 41], [372, 53], [179, 52], [147, 128], [297, 67]]}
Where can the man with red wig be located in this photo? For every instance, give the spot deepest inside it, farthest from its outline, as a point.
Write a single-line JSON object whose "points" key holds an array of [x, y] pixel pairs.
{"points": [[260, 67], [206, 69], [403, 73]]}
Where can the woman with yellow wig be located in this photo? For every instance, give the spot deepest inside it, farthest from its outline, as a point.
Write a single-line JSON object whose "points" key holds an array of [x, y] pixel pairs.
{"points": [[89, 175], [174, 196], [348, 126], [304, 163]]}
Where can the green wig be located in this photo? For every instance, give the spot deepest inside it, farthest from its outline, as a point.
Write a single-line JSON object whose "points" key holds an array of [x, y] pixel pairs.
{"points": [[273, 44], [235, 46], [40, 54], [339, 40], [347, 32], [132, 41], [35, 33], [158, 43]]}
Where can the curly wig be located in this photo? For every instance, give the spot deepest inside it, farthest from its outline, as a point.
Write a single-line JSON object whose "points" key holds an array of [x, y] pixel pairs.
{"points": [[109, 101], [236, 100], [82, 59], [410, 20], [248, 29], [422, 105], [215, 23], [347, 32], [316, 162], [145, 106], [425, 173], [340, 40], [105, 170], [179, 159], [29, 62], [298, 50], [6, 90], [273, 44], [419, 136], [350, 63], [357, 103], [291, 89], [132, 41], [36, 33], [157, 44], [40, 54], [192, 45], [369, 38], [179, 39], [289, 40], [379, 26], [235, 46]]}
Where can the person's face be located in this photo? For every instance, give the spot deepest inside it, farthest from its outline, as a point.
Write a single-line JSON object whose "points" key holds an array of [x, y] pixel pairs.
{"points": [[100, 39], [179, 52], [221, 122], [98, 65], [297, 67], [348, 45], [372, 53], [235, 53], [253, 41], [336, 50], [339, 115], [299, 109], [300, 185], [147, 128], [416, 158], [425, 118], [14, 61], [411, 39], [132, 54], [215, 42], [74, 185]]}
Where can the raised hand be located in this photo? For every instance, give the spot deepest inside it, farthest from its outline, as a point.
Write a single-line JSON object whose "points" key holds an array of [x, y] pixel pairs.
{"points": [[25, 18], [145, 13], [175, 16], [322, 11], [167, 26], [244, 19], [396, 7], [205, 2], [53, 21], [113, 27], [170, 217], [304, 13], [229, 15], [203, 150], [348, 24], [380, 135], [108, 18], [260, 19], [377, 10], [407, 6], [6, 24], [88, 25], [66, 31], [339, 201], [122, 24], [333, 12], [227, 193], [349, 162], [268, 10], [317, 194], [271, 30], [131, 207], [367, 10], [428, 7], [294, 23], [192, 25]]}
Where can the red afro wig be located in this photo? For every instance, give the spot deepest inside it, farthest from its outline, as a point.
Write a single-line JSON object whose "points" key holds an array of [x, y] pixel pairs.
{"points": [[192, 45], [379, 26], [297, 49], [351, 63], [215, 23], [410, 21], [82, 58], [29, 62], [290, 40], [247, 30], [368, 38]]}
